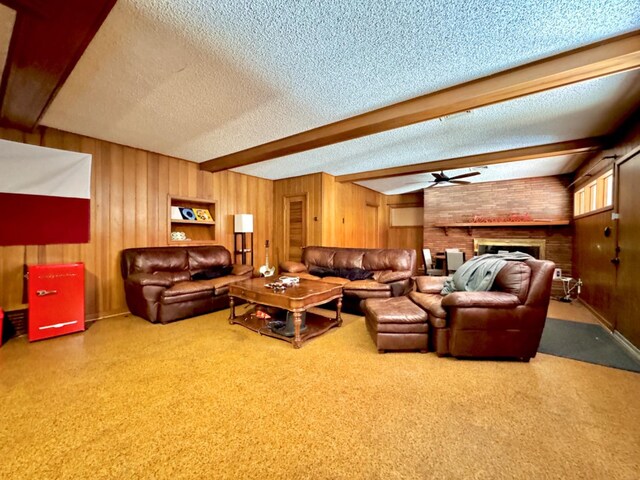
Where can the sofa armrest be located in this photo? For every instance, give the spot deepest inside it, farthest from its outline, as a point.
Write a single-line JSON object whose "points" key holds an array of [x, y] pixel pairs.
{"points": [[240, 269], [158, 279], [426, 284], [292, 267], [390, 277], [481, 300]]}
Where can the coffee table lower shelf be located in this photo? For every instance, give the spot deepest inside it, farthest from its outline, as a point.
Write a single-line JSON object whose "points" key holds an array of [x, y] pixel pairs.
{"points": [[316, 325]]}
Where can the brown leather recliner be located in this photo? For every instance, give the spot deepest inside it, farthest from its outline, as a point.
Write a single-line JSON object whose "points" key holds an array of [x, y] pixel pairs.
{"points": [[160, 286], [392, 270], [504, 322]]}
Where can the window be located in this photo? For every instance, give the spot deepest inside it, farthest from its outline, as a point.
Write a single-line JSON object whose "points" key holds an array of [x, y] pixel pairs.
{"points": [[593, 196], [578, 200], [596, 195], [607, 183]]}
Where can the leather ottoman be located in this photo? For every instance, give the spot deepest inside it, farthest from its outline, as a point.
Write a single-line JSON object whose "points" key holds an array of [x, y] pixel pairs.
{"points": [[396, 324]]}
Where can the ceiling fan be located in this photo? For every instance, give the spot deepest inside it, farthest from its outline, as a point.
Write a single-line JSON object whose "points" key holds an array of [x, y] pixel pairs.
{"points": [[442, 178]]}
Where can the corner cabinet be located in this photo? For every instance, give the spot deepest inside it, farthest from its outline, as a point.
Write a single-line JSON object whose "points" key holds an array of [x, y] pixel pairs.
{"points": [[191, 221]]}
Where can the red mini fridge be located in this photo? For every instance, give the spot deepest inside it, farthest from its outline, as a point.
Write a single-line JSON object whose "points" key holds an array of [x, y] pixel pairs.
{"points": [[56, 300]]}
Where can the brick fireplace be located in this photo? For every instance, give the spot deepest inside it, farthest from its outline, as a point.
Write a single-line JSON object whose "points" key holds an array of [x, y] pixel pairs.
{"points": [[534, 247], [543, 198]]}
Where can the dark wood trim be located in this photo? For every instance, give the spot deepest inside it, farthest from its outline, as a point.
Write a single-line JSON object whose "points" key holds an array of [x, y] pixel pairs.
{"points": [[615, 55], [504, 156], [593, 212], [43, 51], [605, 323]]}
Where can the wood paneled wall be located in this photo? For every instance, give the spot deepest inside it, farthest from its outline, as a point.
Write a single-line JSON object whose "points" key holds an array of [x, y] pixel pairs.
{"points": [[406, 237], [338, 214], [591, 249], [359, 218], [309, 186], [129, 191]]}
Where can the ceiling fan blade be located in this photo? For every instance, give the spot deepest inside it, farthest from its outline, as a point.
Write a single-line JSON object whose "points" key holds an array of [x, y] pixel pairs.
{"points": [[459, 182], [464, 175], [438, 176]]}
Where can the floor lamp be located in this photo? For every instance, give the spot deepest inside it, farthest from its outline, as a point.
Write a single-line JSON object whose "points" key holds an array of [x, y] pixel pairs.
{"points": [[243, 225]]}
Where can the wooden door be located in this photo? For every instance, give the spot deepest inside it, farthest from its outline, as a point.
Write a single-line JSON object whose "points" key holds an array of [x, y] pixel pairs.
{"points": [[627, 291], [371, 233], [295, 226]]}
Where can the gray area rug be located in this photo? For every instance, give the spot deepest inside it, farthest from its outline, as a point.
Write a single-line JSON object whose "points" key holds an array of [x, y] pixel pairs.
{"points": [[586, 342]]}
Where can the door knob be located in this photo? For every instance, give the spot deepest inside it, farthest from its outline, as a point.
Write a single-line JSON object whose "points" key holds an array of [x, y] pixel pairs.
{"points": [[615, 261]]}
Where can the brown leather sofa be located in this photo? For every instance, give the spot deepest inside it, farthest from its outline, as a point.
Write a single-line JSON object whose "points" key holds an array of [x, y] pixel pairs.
{"points": [[504, 322], [392, 270], [164, 284]]}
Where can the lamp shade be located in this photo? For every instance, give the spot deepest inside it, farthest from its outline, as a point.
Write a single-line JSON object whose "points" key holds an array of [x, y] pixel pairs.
{"points": [[243, 223]]}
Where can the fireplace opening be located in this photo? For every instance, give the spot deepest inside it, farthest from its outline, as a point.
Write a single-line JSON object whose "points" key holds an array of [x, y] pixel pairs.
{"points": [[534, 247]]}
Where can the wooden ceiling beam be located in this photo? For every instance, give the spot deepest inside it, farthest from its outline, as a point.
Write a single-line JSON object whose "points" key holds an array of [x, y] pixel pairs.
{"points": [[571, 147], [49, 37], [615, 55]]}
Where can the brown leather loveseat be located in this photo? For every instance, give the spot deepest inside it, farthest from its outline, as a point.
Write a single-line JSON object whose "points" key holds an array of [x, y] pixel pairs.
{"points": [[504, 322], [390, 270], [163, 284]]}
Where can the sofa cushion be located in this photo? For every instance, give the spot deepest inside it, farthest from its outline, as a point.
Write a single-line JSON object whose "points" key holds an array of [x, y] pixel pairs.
{"points": [[369, 285], [158, 259], [242, 270], [348, 258], [492, 300], [427, 284], [513, 278], [432, 303], [183, 288], [164, 279], [388, 259], [348, 273], [292, 267], [389, 277], [214, 272], [322, 271], [318, 256], [206, 258], [335, 280]]}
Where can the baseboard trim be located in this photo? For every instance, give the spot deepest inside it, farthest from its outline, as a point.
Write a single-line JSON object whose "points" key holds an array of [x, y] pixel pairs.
{"points": [[606, 323], [627, 344]]}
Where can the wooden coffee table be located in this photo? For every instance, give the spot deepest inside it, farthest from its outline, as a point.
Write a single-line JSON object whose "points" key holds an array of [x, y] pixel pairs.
{"points": [[296, 299]]}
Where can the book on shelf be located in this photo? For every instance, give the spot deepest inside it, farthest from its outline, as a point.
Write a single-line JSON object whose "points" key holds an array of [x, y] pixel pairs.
{"points": [[202, 214]]}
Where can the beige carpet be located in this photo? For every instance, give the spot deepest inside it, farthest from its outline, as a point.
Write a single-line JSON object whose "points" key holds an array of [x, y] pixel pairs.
{"points": [[203, 399]]}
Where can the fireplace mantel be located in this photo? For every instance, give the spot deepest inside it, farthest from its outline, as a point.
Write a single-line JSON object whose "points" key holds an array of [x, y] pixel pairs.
{"points": [[470, 225]]}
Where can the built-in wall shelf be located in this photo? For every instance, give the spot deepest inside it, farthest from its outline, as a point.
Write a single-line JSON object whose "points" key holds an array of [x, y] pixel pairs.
{"points": [[201, 230], [470, 225]]}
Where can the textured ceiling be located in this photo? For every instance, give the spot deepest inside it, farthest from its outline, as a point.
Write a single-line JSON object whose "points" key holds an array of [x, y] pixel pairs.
{"points": [[198, 79], [577, 111], [505, 171], [7, 19]]}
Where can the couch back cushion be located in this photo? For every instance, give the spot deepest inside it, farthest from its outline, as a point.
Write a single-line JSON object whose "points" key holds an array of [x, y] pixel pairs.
{"points": [[374, 259], [318, 257], [348, 258], [154, 259], [389, 259], [514, 278], [208, 258]]}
